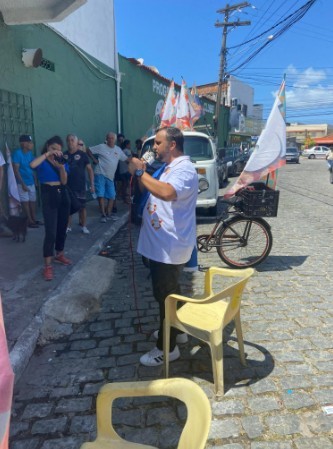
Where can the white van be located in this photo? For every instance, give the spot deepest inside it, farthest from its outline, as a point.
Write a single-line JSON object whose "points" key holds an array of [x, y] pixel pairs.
{"points": [[202, 152]]}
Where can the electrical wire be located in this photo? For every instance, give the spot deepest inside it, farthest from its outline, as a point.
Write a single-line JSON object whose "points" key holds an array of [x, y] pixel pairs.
{"points": [[289, 22], [264, 33]]}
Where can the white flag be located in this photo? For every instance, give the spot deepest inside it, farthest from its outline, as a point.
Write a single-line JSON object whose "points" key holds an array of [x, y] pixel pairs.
{"points": [[13, 194], [270, 150]]}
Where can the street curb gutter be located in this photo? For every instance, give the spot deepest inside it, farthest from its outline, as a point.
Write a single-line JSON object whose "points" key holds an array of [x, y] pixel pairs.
{"points": [[26, 343]]}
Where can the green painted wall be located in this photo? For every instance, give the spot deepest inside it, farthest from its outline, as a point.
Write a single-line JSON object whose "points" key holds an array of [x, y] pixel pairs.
{"points": [[77, 98], [143, 93]]}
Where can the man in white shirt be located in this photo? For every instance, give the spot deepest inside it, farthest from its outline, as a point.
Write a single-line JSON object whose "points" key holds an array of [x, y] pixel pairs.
{"points": [[106, 165], [168, 232]]}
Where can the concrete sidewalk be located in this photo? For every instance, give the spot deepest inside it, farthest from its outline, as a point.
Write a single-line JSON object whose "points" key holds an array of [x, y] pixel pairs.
{"points": [[29, 311]]}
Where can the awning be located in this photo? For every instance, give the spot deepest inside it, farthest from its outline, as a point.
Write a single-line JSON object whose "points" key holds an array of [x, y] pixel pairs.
{"points": [[327, 140], [19, 12]]}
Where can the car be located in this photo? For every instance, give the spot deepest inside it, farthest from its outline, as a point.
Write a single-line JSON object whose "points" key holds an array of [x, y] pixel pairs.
{"points": [[292, 155], [241, 161], [222, 168], [318, 152], [230, 155]]}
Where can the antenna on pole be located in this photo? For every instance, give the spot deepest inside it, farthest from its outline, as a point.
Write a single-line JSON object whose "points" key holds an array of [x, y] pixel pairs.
{"points": [[223, 62]]}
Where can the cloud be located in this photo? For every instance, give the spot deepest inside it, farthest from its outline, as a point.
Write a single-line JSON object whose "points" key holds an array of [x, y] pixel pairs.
{"points": [[308, 89]]}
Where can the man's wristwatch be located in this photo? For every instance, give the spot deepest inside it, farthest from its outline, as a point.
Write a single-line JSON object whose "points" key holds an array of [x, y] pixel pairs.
{"points": [[139, 172]]}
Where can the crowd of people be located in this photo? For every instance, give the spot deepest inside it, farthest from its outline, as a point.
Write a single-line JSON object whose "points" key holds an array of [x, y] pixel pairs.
{"points": [[168, 232], [67, 176]]}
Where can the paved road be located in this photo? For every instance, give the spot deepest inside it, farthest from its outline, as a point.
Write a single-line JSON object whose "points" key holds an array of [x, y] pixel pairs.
{"points": [[273, 403]]}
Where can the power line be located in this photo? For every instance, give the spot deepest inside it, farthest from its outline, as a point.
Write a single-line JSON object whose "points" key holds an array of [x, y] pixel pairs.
{"points": [[287, 23]]}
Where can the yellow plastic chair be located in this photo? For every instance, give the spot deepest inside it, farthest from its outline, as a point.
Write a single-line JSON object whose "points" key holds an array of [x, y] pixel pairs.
{"points": [[195, 431], [206, 316]]}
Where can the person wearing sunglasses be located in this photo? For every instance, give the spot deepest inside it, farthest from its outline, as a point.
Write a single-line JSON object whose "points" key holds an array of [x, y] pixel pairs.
{"points": [[79, 165]]}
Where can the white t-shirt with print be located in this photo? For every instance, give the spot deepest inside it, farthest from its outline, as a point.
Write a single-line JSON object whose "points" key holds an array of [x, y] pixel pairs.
{"points": [[108, 159], [168, 231]]}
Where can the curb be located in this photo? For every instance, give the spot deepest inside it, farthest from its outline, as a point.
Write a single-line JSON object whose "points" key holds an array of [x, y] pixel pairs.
{"points": [[27, 341]]}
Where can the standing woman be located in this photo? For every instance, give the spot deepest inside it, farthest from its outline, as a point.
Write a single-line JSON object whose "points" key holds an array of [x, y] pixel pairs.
{"points": [[52, 171]]}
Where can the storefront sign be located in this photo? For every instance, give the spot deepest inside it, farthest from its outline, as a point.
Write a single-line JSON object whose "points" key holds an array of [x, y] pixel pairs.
{"points": [[159, 88]]}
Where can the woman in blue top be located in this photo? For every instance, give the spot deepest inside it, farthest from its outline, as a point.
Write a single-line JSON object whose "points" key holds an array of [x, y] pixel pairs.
{"points": [[52, 174]]}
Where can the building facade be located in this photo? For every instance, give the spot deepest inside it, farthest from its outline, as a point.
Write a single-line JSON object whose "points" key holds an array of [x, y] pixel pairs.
{"points": [[143, 91], [68, 92], [307, 135], [244, 117]]}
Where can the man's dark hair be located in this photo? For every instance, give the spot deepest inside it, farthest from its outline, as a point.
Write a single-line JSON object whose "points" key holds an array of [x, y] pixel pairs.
{"points": [[174, 134], [125, 143], [51, 141], [138, 142]]}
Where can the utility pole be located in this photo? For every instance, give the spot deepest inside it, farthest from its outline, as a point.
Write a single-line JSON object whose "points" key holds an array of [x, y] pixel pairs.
{"points": [[223, 64]]}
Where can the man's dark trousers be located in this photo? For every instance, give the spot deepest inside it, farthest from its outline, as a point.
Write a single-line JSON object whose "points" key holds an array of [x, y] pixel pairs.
{"points": [[165, 281]]}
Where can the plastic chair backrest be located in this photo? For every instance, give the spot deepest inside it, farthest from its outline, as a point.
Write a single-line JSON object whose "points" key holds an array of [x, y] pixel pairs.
{"points": [[233, 292], [196, 429]]}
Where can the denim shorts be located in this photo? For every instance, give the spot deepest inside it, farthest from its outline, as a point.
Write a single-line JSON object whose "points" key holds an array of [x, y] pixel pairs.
{"points": [[104, 187], [28, 196]]}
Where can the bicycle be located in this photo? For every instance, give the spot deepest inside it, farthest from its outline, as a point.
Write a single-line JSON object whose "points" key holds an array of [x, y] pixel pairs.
{"points": [[241, 236]]}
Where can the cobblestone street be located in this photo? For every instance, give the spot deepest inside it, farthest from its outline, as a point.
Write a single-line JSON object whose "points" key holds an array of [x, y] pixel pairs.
{"points": [[275, 402]]}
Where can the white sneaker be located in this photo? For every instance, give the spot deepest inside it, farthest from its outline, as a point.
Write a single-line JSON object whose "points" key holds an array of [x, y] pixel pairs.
{"points": [[85, 230], [180, 339], [155, 357], [68, 230]]}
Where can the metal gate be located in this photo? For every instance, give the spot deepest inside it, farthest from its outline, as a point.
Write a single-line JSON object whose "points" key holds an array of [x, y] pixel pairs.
{"points": [[16, 118]]}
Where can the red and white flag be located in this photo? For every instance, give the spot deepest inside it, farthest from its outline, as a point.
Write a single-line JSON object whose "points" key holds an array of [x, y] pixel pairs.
{"points": [[185, 111], [168, 112], [6, 385], [13, 194]]}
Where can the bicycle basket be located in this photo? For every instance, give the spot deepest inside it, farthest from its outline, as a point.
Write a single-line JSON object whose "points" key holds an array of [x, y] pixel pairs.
{"points": [[260, 202]]}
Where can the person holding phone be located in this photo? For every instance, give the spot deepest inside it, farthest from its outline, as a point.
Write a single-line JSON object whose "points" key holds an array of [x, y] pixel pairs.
{"points": [[168, 232], [52, 169]]}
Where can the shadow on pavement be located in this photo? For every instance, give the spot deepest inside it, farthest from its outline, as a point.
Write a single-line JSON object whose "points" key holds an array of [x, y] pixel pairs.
{"points": [[281, 263], [196, 360]]}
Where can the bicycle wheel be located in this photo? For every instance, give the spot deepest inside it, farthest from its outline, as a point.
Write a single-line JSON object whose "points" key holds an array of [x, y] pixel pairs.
{"points": [[244, 242]]}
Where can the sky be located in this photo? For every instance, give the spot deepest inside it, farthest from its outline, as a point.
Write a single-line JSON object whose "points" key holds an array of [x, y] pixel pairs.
{"points": [[180, 39]]}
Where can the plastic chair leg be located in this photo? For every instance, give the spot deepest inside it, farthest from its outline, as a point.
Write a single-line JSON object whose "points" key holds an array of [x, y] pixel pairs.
{"points": [[240, 340], [166, 347], [216, 347]]}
